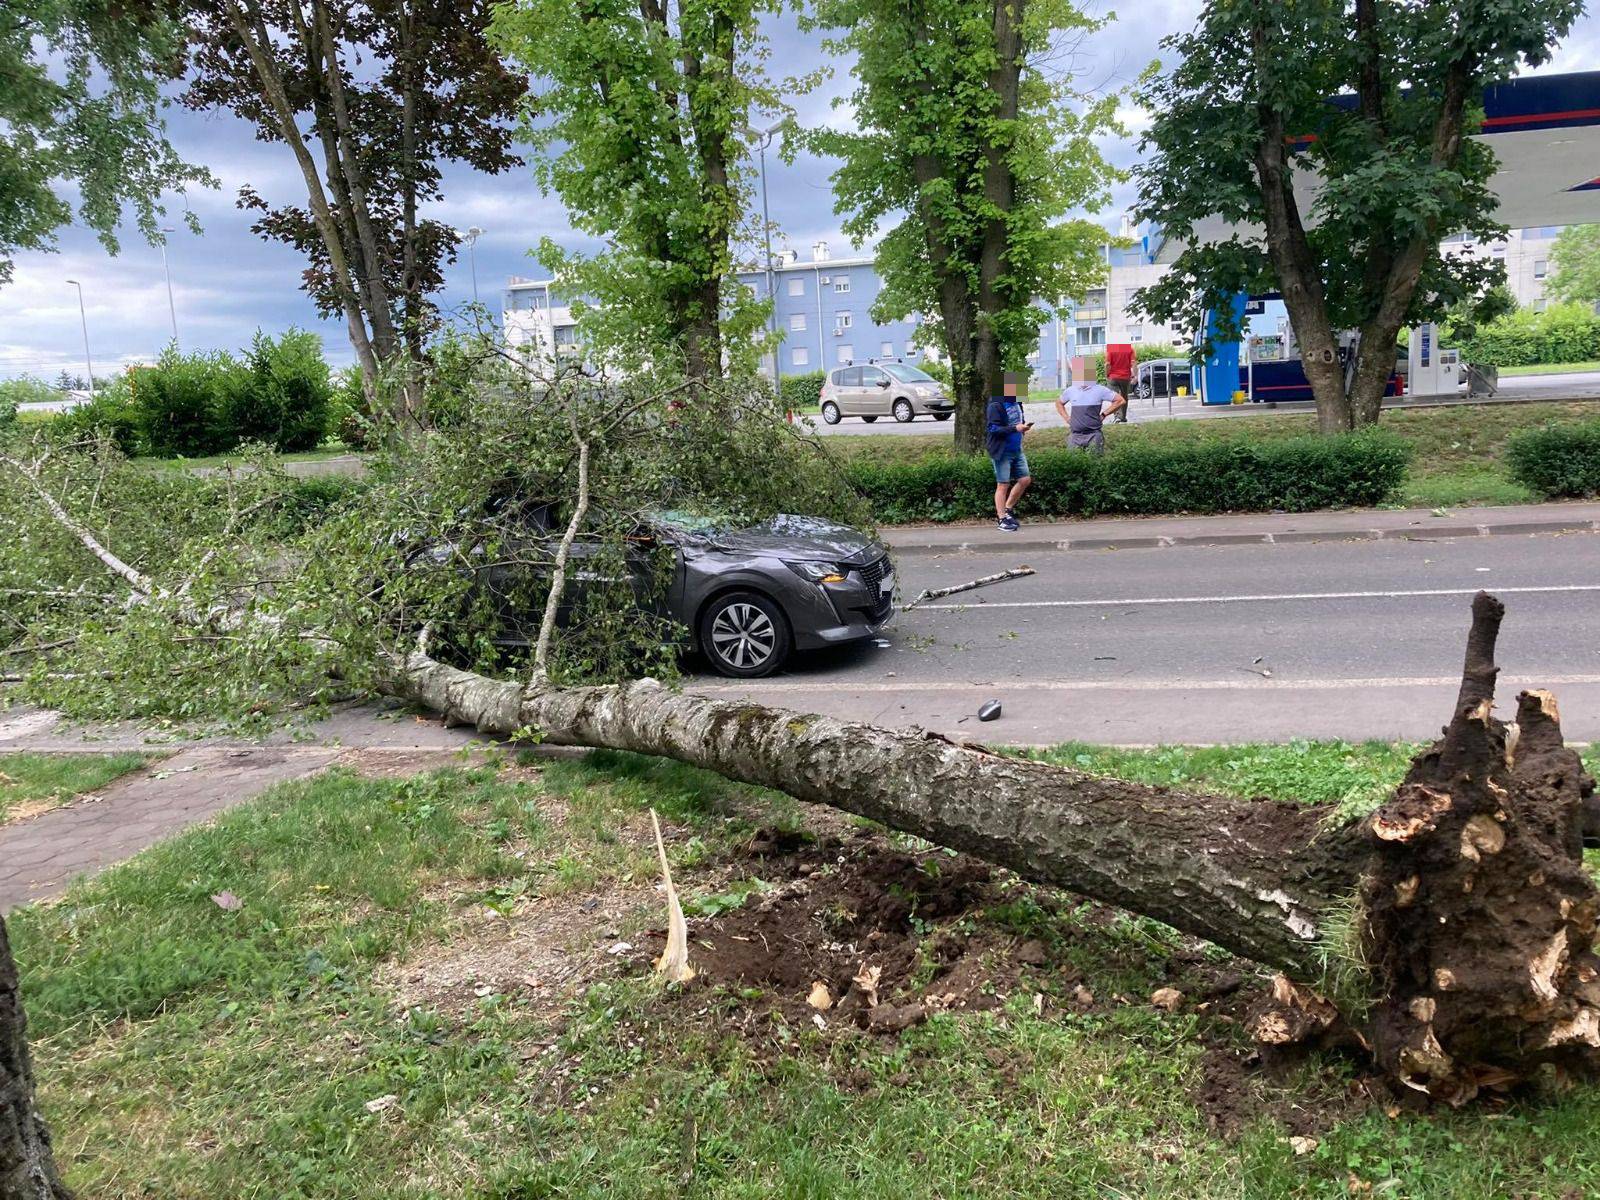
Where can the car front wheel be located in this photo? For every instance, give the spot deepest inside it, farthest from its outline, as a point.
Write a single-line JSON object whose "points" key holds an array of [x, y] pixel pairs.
{"points": [[903, 411], [830, 413], [744, 635]]}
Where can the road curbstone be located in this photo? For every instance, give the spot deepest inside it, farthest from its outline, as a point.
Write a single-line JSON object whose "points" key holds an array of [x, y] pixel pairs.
{"points": [[982, 543]]}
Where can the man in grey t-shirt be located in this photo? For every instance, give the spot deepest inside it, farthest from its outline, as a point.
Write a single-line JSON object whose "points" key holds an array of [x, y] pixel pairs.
{"points": [[1084, 407]]}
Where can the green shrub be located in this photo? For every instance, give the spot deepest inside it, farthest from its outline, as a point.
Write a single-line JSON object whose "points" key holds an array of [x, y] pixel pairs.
{"points": [[25, 389], [349, 414], [1557, 460], [802, 393], [111, 412], [1563, 333], [1294, 474], [282, 396], [183, 404]]}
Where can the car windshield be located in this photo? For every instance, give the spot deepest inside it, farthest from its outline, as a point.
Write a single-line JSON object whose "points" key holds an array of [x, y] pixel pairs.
{"points": [[907, 374], [683, 520]]}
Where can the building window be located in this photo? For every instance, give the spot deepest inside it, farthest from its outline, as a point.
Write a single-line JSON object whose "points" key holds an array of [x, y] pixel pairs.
{"points": [[797, 322], [887, 350], [844, 319], [800, 357], [847, 354], [1136, 333], [1540, 266], [1538, 306], [841, 283], [797, 286], [566, 335]]}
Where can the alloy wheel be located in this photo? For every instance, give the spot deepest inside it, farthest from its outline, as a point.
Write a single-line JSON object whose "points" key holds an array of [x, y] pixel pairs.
{"points": [[743, 636]]}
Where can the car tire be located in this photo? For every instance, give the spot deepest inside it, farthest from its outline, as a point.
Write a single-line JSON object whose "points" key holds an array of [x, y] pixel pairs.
{"points": [[871, 419], [744, 635], [1142, 391], [903, 412], [941, 416], [830, 412]]}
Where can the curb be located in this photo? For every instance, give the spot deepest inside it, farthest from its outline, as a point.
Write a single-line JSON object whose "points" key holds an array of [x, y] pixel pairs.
{"points": [[1289, 537]]}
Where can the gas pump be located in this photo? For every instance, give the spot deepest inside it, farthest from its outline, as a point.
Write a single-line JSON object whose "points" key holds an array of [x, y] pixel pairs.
{"points": [[1432, 370]]}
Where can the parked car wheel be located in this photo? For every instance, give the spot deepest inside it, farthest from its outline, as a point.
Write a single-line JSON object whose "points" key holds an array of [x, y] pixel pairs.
{"points": [[744, 635], [830, 412], [1142, 391], [869, 420], [941, 416], [903, 411]]}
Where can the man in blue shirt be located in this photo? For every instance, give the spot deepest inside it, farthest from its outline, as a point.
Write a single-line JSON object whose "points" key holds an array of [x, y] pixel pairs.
{"points": [[1006, 424]]}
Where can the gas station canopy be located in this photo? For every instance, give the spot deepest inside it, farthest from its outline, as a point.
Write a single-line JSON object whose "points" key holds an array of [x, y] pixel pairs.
{"points": [[1545, 132]]}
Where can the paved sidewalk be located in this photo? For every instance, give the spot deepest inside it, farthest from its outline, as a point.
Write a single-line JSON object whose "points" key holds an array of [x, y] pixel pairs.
{"points": [[40, 857], [1143, 533]]}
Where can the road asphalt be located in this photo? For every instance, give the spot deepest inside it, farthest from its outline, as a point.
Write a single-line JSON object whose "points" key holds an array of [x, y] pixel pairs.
{"points": [[1217, 643], [1197, 630]]}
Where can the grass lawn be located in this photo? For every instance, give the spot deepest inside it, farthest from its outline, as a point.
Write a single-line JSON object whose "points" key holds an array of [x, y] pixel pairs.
{"points": [[1551, 368], [33, 783], [1456, 449], [440, 986]]}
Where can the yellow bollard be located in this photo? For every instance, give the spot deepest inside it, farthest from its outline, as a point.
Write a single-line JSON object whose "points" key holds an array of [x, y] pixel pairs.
{"points": [[1183, 391]]}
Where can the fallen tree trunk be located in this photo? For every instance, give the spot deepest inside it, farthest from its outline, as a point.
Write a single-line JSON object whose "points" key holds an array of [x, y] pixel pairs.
{"points": [[27, 1167], [1453, 929]]}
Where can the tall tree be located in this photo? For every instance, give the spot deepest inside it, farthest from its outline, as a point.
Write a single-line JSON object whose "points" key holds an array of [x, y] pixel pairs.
{"points": [[371, 97], [1575, 265], [80, 109], [641, 115], [977, 147], [1371, 103]]}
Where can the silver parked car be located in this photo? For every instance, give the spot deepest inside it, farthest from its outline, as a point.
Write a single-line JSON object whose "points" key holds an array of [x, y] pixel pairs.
{"points": [[884, 389]]}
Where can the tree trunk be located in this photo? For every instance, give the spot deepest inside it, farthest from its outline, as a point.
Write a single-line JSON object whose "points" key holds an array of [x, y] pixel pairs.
{"points": [[27, 1166], [1453, 928]]}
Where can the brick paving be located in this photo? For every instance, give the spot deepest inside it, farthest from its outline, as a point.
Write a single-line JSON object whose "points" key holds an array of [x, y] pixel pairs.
{"points": [[41, 856]]}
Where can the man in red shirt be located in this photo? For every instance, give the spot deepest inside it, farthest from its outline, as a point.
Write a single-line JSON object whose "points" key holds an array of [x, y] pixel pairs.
{"points": [[1119, 374]]}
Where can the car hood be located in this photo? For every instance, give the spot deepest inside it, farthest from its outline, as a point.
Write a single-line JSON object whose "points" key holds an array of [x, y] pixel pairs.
{"points": [[802, 538]]}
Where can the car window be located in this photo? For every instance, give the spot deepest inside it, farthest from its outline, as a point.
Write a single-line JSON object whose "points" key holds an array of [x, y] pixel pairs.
{"points": [[872, 377], [850, 377], [907, 374]]}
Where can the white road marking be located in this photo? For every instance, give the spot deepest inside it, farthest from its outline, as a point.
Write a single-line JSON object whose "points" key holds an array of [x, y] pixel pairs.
{"points": [[1265, 597], [1508, 684]]}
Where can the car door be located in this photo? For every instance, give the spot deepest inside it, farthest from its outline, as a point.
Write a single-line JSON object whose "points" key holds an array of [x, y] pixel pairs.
{"points": [[849, 380], [875, 399]]}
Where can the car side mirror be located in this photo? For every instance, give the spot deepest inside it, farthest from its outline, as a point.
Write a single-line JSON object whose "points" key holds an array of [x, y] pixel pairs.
{"points": [[883, 383]]}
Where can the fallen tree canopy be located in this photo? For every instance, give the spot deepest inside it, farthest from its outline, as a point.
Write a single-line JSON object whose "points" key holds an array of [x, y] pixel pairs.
{"points": [[1451, 932]]}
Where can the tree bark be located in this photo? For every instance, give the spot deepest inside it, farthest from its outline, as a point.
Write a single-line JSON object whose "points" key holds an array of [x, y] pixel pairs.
{"points": [[1453, 929], [27, 1165], [1294, 261]]}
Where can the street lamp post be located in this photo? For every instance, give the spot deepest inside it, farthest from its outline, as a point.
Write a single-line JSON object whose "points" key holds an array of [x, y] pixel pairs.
{"points": [[470, 237], [766, 233], [172, 309], [84, 318]]}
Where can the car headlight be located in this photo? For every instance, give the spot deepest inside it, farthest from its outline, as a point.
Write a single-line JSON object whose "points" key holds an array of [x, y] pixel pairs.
{"points": [[817, 572]]}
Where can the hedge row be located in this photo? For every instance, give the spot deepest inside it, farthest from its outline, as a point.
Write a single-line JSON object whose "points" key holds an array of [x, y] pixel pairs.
{"points": [[1563, 333], [1294, 475], [1557, 460], [198, 404], [802, 393]]}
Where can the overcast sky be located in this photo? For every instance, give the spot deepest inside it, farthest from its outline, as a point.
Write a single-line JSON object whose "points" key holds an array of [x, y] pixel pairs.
{"points": [[227, 282]]}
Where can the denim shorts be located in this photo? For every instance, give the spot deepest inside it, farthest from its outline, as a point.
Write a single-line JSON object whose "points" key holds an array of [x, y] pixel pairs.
{"points": [[1010, 466]]}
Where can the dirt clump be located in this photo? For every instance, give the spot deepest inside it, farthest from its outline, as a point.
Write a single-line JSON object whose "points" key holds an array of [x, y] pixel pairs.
{"points": [[860, 933]]}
